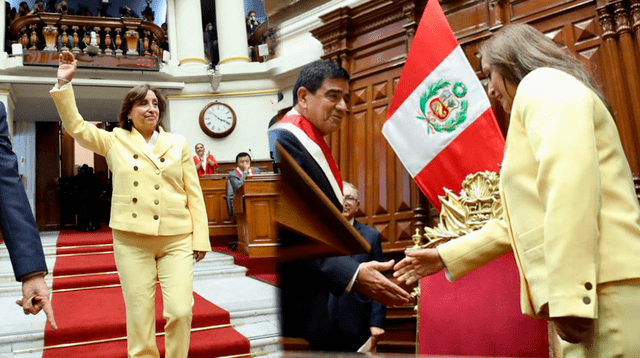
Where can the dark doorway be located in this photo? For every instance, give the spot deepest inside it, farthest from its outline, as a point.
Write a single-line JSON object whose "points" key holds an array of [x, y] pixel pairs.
{"points": [[47, 174]]}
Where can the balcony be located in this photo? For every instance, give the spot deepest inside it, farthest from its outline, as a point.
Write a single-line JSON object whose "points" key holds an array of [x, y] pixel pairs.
{"points": [[118, 43]]}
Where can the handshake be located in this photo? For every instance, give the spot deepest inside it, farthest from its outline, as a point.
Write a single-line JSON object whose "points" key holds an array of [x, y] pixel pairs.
{"points": [[417, 264]]}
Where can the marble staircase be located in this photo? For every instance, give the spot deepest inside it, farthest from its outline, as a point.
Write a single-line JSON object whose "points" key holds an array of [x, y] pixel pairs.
{"points": [[252, 304]]}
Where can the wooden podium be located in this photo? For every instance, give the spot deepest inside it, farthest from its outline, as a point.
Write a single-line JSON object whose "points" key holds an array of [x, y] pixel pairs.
{"points": [[255, 208], [305, 210], [222, 227]]}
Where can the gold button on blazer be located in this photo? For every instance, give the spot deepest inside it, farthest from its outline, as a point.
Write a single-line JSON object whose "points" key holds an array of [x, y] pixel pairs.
{"points": [[571, 214]]}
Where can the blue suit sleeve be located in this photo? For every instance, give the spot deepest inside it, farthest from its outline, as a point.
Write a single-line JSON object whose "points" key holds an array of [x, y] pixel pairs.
{"points": [[18, 225], [378, 310]]}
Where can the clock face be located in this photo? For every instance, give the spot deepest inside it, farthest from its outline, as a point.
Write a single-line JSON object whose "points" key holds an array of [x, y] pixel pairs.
{"points": [[217, 119]]}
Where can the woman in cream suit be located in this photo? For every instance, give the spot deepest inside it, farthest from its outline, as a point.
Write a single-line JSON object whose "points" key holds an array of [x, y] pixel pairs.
{"points": [[571, 215], [158, 214]]}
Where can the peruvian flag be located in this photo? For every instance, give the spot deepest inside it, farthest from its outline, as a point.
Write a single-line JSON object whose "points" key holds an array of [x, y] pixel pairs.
{"points": [[440, 122]]}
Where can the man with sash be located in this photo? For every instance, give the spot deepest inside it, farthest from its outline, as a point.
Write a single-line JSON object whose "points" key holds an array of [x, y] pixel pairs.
{"points": [[320, 99]]}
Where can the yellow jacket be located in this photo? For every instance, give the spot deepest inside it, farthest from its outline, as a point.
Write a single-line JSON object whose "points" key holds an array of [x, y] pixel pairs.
{"points": [[155, 192], [571, 213]]}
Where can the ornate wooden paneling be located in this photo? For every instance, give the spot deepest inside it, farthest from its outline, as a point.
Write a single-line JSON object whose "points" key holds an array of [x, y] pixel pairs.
{"points": [[603, 34], [222, 227], [371, 41]]}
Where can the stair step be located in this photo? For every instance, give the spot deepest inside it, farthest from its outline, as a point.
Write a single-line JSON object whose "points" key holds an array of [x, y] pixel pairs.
{"points": [[251, 304]]}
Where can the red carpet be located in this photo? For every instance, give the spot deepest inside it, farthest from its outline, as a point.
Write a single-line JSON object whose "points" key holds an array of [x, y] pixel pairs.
{"points": [[98, 313], [261, 268]]}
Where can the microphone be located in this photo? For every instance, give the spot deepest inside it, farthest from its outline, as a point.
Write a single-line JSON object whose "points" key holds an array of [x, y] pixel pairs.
{"points": [[251, 153]]}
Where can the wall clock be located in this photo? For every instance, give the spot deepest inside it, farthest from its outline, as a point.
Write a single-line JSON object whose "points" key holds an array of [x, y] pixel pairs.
{"points": [[217, 119]]}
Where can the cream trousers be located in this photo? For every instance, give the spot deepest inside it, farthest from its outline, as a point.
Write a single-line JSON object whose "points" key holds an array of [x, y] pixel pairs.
{"points": [[142, 260], [616, 332]]}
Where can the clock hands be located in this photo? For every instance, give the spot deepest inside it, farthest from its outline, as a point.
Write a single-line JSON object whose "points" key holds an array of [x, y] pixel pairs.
{"points": [[225, 121]]}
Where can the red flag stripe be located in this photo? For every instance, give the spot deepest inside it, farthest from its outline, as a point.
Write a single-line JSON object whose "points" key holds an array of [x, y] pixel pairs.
{"points": [[426, 53], [475, 149]]}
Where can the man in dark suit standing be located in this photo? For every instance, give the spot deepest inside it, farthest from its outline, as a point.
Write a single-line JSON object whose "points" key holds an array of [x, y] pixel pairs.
{"points": [[20, 232], [358, 317], [320, 99]]}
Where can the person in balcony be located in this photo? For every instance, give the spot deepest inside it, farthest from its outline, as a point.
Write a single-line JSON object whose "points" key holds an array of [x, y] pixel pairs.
{"points": [[126, 11], [148, 14], [158, 216], [252, 22], [211, 43], [23, 10], [63, 8], [38, 7], [9, 14]]}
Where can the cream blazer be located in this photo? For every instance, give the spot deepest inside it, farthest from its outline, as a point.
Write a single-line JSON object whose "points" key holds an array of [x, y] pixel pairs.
{"points": [[155, 192], [571, 213]]}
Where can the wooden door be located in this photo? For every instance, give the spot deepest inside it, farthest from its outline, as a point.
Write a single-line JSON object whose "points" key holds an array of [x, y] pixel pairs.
{"points": [[47, 176]]}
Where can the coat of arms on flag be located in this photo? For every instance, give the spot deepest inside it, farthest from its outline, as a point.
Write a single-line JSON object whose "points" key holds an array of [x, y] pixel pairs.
{"points": [[443, 106], [440, 122]]}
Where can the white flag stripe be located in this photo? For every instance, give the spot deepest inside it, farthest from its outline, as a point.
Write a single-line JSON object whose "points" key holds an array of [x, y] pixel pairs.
{"points": [[408, 135], [316, 153]]}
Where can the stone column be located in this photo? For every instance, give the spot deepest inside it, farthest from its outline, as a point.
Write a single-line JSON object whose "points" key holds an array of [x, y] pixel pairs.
{"points": [[232, 31], [172, 36], [189, 36], [3, 25]]}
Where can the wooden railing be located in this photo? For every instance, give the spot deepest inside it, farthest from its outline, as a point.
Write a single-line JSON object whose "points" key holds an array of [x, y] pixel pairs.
{"points": [[114, 36]]}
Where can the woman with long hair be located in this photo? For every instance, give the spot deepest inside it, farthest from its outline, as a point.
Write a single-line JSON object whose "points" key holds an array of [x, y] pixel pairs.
{"points": [[571, 214]]}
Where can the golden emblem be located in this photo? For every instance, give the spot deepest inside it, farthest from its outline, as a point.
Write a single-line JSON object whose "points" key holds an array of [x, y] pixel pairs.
{"points": [[478, 202]]}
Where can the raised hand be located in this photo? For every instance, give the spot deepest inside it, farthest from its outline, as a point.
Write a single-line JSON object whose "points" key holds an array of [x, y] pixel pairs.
{"points": [[66, 68], [417, 264], [371, 283]]}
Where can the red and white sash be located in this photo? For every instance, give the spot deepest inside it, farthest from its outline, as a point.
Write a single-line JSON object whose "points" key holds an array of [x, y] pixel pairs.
{"points": [[313, 141], [239, 172]]}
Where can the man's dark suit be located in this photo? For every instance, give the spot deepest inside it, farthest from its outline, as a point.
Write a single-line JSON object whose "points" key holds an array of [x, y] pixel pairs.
{"points": [[306, 285], [18, 225], [234, 182], [355, 313]]}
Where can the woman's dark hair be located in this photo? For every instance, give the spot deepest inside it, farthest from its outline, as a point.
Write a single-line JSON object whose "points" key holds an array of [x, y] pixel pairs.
{"points": [[517, 49], [312, 76], [137, 94]]}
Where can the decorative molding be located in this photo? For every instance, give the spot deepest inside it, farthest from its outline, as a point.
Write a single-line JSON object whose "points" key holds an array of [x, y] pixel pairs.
{"points": [[367, 27], [235, 58], [621, 17], [635, 14], [193, 59], [222, 94], [607, 26]]}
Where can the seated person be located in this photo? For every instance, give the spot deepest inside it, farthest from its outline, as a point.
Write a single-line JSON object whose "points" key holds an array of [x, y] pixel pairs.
{"points": [[237, 177], [203, 166]]}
